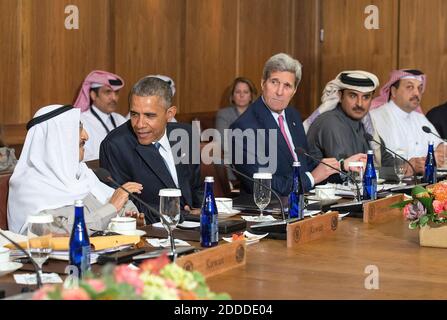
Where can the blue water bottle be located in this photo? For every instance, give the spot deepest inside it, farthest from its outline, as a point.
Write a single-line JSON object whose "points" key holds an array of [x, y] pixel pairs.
{"points": [[79, 241], [370, 179], [430, 165], [296, 197], [209, 228]]}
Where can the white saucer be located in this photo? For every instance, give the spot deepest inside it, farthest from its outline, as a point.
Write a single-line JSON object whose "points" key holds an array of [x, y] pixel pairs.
{"points": [[131, 232], [188, 225], [9, 267], [249, 237], [380, 181], [224, 215], [335, 198]]}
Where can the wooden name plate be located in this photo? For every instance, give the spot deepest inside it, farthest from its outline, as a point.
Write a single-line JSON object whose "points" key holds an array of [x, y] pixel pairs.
{"points": [[215, 260], [379, 211], [311, 228]]}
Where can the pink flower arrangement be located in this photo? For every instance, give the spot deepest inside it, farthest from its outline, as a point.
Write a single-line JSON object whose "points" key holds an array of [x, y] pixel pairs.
{"points": [[155, 279], [427, 205]]}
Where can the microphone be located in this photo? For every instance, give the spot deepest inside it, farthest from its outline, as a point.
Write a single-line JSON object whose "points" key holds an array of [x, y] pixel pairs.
{"points": [[276, 229], [35, 266], [428, 130], [105, 177], [355, 206], [346, 174], [369, 138]]}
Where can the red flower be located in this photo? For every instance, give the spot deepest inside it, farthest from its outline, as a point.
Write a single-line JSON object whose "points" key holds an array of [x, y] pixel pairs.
{"points": [[124, 274], [96, 284], [155, 265], [74, 294], [438, 206]]}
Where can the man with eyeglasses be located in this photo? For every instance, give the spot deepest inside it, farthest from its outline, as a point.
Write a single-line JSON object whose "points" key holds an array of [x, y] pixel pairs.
{"points": [[273, 120]]}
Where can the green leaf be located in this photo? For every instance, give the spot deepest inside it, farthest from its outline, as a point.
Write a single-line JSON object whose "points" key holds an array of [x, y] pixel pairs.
{"points": [[424, 220], [418, 190], [401, 204]]}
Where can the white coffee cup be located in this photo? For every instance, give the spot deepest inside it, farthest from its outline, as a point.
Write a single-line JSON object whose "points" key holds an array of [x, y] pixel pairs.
{"points": [[120, 224], [325, 191], [224, 205], [4, 255]]}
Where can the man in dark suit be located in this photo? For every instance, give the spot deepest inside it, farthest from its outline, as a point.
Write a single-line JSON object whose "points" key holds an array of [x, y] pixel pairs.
{"points": [[283, 132], [438, 117], [142, 149]]}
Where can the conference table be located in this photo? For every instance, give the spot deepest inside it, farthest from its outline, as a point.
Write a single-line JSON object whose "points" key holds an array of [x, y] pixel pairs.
{"points": [[358, 261]]}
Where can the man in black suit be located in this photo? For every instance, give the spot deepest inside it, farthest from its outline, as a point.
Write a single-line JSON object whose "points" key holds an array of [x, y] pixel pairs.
{"points": [[438, 117], [283, 132], [142, 149]]}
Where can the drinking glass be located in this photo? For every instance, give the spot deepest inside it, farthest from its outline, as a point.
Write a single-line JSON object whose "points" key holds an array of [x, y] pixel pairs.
{"points": [[400, 165], [261, 191], [170, 209], [356, 171], [39, 238]]}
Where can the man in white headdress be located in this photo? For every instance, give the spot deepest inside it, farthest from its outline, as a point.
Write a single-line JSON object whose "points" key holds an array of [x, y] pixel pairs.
{"points": [[399, 118], [338, 128], [98, 100], [50, 176]]}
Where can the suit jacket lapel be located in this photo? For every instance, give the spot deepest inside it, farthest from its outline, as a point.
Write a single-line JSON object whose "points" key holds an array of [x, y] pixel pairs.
{"points": [[291, 123], [155, 162], [266, 117]]}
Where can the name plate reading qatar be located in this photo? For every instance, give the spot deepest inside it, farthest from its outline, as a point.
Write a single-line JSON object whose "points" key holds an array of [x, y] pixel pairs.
{"points": [[379, 211], [311, 229]]}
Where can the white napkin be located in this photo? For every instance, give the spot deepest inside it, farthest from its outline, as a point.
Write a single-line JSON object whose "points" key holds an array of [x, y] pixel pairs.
{"points": [[258, 218], [30, 278], [165, 244]]}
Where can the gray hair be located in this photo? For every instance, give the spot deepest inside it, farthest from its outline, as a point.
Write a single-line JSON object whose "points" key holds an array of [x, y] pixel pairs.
{"points": [[151, 86], [282, 62]]}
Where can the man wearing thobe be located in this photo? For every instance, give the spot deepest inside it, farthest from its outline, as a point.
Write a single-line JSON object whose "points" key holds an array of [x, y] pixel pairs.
{"points": [[399, 120], [338, 127], [98, 99]]}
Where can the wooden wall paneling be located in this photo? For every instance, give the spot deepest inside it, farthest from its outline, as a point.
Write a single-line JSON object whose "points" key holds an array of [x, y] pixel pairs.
{"points": [[348, 45], [265, 29], [423, 45], [210, 53], [147, 41], [61, 58], [12, 23], [306, 48]]}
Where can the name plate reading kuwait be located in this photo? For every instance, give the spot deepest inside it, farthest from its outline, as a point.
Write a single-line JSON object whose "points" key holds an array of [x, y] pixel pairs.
{"points": [[379, 211], [311, 228], [215, 260]]}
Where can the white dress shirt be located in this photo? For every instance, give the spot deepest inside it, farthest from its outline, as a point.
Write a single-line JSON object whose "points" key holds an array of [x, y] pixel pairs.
{"points": [[95, 130], [286, 128], [166, 153], [402, 130]]}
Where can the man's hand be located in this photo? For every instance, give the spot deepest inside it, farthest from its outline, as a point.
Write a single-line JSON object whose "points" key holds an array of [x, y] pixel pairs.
{"points": [[120, 197], [321, 172], [195, 211], [359, 157], [139, 216], [418, 164]]}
